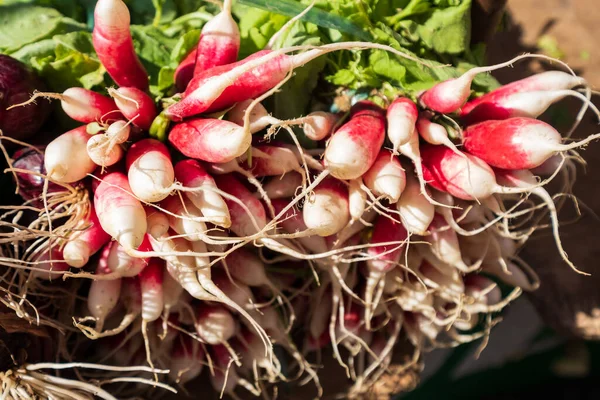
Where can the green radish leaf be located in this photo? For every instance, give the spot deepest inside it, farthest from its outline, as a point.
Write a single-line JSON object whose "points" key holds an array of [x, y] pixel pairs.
{"points": [[317, 16]]}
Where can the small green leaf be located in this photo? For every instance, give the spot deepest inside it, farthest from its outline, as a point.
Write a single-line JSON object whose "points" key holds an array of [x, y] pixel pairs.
{"points": [[185, 45]]}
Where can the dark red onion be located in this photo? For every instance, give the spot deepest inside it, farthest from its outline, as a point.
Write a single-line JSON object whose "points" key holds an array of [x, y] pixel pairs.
{"points": [[17, 84], [31, 185]]}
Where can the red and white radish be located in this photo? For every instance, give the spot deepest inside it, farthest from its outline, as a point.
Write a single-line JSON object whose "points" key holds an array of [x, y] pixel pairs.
{"points": [[401, 119], [103, 294], [386, 177], [85, 243], [416, 212], [327, 211], [66, 158], [136, 106], [149, 170]]}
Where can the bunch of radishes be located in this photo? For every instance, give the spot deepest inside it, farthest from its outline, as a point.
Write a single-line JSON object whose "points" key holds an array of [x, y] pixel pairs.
{"points": [[210, 250]]}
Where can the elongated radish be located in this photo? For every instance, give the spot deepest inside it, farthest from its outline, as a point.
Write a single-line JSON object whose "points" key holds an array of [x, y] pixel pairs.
{"points": [[219, 41], [186, 220], [516, 143], [386, 177], [66, 158], [212, 140], [445, 245], [354, 147], [544, 81], [383, 258], [185, 71], [192, 175], [416, 212], [136, 106], [521, 104], [85, 243], [186, 360], [283, 187], [401, 119], [248, 219], [468, 177], [149, 170], [104, 294], [151, 281], [293, 222], [214, 324], [120, 214], [259, 116], [49, 265], [114, 46], [357, 199], [102, 152], [225, 378], [123, 264], [319, 125], [525, 179], [327, 211], [271, 160], [157, 222], [434, 133], [221, 87]]}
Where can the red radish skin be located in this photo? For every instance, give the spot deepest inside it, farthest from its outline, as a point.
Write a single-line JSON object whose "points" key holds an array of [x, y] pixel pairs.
{"points": [[401, 119], [192, 175], [150, 170], [516, 143], [211, 140], [225, 379], [120, 214], [151, 279], [66, 158], [468, 178], [136, 106], [272, 160], [86, 106], [84, 244], [185, 71], [104, 294], [544, 81], [353, 148], [219, 41], [186, 360], [327, 211], [386, 177], [242, 223], [114, 46]]}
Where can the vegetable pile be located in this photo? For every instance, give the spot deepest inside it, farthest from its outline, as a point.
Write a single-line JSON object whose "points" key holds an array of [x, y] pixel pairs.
{"points": [[218, 236]]}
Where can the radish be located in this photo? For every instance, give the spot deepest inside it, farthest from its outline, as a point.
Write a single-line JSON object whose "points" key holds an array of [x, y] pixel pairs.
{"points": [[327, 211], [248, 216], [319, 125], [102, 152], [85, 243], [151, 285], [157, 222], [525, 179], [219, 41], [544, 81], [292, 222], [283, 187], [82, 105], [416, 212], [123, 264], [118, 132], [114, 46], [135, 105], [66, 158], [521, 104], [149, 170], [212, 140], [271, 160], [354, 147], [120, 214], [445, 246], [259, 116], [185, 71], [191, 174], [214, 324], [516, 143], [104, 294], [382, 258], [357, 199], [484, 291], [186, 360], [221, 87], [225, 378], [401, 119], [187, 219], [386, 178], [434, 133]]}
